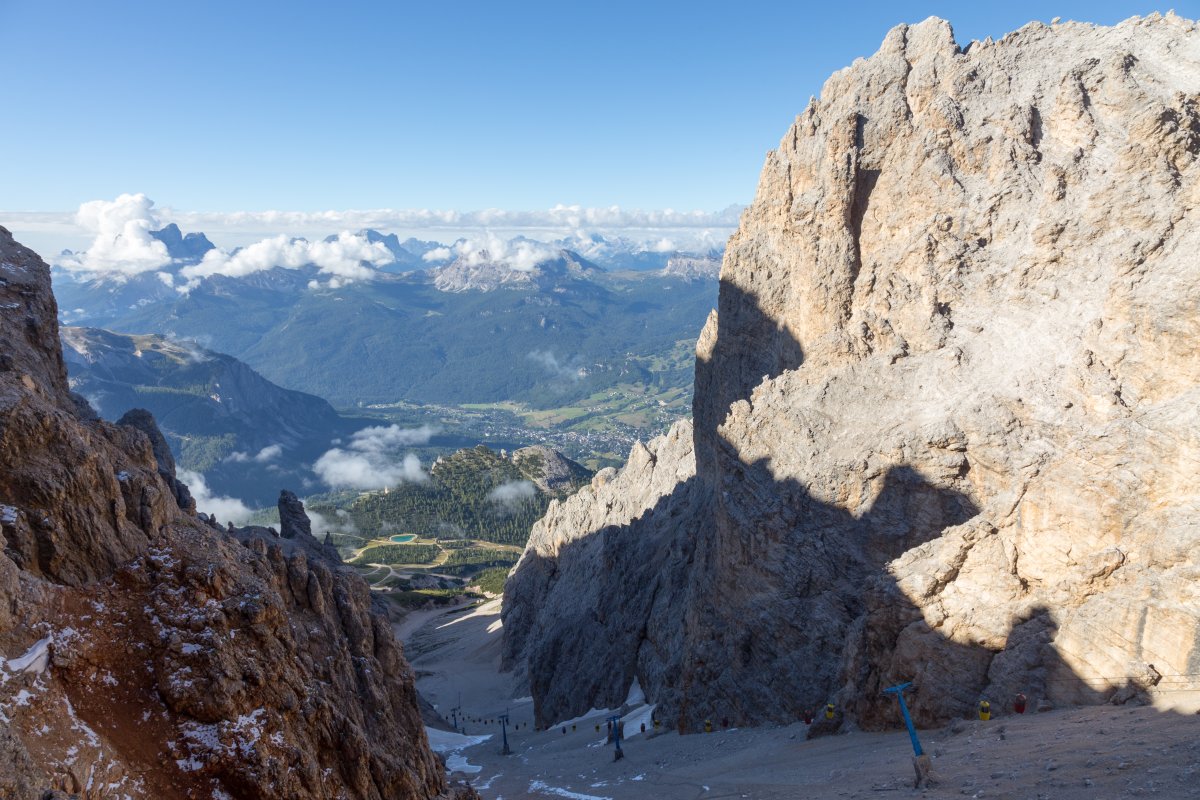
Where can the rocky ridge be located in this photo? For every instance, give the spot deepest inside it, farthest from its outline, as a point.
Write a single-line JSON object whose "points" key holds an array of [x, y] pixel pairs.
{"points": [[945, 426], [481, 273], [147, 653]]}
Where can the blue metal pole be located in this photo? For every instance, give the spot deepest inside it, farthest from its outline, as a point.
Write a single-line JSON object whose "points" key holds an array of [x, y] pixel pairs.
{"points": [[912, 731]]}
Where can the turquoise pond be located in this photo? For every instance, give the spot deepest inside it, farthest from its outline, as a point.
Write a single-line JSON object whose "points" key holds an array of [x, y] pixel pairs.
{"points": [[404, 537]]}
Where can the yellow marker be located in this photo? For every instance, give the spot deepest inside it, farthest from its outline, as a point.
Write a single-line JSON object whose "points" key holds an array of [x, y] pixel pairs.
{"points": [[708, 726], [985, 710], [829, 711]]}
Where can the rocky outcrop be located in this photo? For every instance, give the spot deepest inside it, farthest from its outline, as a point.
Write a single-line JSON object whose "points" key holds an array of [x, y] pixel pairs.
{"points": [[693, 268], [549, 470], [143, 420], [946, 412], [146, 651], [531, 268]]}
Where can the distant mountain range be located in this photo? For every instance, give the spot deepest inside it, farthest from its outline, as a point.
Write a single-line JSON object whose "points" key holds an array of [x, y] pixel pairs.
{"points": [[532, 322], [247, 436]]}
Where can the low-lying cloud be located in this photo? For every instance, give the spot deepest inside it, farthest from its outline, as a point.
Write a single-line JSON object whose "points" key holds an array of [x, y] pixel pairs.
{"points": [[556, 368], [518, 254], [349, 256], [341, 523], [221, 508], [267, 454], [512, 493], [372, 459]]}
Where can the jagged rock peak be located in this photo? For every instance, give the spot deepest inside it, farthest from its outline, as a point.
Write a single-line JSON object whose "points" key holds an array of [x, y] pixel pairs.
{"points": [[293, 522], [940, 411]]}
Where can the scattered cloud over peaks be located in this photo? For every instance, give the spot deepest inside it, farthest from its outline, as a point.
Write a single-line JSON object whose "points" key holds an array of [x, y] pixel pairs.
{"points": [[346, 257], [519, 254], [121, 242]]}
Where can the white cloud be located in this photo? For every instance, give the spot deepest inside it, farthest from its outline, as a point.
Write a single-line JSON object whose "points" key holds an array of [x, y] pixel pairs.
{"points": [[687, 229], [268, 453], [223, 509], [512, 493], [558, 218], [121, 241], [556, 368], [519, 254], [371, 460], [382, 438], [345, 469], [438, 254], [345, 257], [341, 523]]}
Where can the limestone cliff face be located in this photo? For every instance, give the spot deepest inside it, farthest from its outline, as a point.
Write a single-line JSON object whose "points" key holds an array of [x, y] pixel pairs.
{"points": [[946, 416], [146, 652]]}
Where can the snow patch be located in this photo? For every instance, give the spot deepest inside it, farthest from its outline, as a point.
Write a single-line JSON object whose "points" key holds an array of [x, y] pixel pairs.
{"points": [[636, 696], [634, 720], [488, 783], [448, 741], [35, 660], [544, 788], [457, 763], [8, 515], [595, 712], [449, 744]]}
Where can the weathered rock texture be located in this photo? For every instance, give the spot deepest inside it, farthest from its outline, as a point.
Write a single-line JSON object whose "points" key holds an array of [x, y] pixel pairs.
{"points": [[144, 653], [946, 417]]}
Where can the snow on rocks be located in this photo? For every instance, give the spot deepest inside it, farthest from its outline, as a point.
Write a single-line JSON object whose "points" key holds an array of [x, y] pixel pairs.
{"points": [[541, 787], [450, 744], [35, 660]]}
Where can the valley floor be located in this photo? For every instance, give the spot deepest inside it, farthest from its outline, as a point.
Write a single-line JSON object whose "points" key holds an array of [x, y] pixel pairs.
{"points": [[1095, 752]]}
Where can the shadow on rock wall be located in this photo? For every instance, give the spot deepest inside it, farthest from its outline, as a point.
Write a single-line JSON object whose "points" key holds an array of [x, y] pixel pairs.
{"points": [[743, 599]]}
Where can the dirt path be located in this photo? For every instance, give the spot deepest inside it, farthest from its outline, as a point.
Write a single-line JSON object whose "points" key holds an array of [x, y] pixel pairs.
{"points": [[1090, 753]]}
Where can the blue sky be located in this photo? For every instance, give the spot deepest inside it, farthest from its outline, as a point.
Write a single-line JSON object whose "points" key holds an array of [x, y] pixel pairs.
{"points": [[225, 106]]}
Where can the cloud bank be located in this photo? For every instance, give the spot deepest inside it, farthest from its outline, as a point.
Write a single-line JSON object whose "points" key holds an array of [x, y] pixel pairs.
{"points": [[518, 254], [114, 235], [562, 218], [348, 257], [372, 459]]}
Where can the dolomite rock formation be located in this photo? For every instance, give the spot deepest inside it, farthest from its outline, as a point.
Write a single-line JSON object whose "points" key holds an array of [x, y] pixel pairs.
{"points": [[145, 653], [946, 424]]}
